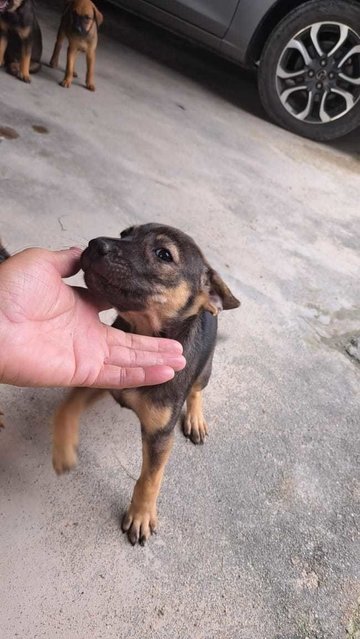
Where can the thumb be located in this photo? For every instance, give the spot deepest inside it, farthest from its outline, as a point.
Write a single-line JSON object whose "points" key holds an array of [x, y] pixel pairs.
{"points": [[66, 262]]}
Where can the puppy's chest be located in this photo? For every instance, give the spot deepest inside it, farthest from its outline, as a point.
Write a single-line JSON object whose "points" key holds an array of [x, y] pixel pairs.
{"points": [[198, 341], [13, 21]]}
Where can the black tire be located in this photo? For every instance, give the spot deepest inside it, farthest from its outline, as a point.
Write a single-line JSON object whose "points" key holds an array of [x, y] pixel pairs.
{"points": [[344, 12]]}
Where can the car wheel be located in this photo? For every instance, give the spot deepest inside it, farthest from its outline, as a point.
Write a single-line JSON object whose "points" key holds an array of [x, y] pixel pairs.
{"points": [[309, 72]]}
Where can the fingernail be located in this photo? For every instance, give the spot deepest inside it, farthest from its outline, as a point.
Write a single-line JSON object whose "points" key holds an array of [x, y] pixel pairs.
{"points": [[168, 373], [177, 362], [172, 346]]}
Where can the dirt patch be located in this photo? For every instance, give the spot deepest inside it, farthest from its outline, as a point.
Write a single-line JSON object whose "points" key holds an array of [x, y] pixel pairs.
{"points": [[40, 129], [7, 133]]}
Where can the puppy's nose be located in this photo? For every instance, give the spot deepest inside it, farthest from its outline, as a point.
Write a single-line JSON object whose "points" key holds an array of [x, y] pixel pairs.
{"points": [[100, 246]]}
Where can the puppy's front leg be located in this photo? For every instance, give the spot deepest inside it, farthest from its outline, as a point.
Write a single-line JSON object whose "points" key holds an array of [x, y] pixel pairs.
{"points": [[194, 425], [70, 67], [3, 46], [66, 427], [23, 73], [140, 520], [157, 422], [90, 71]]}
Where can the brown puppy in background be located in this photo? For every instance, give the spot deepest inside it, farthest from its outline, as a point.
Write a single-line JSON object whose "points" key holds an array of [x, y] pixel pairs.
{"points": [[79, 24], [20, 38], [159, 282]]}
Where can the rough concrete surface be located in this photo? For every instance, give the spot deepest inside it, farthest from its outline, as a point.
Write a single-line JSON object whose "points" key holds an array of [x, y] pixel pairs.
{"points": [[259, 528]]}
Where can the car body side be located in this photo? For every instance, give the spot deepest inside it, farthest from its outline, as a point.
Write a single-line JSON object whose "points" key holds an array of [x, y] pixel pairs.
{"points": [[239, 33]]}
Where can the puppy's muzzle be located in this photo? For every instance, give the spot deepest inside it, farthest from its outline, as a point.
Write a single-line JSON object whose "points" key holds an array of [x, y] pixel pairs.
{"points": [[78, 26], [101, 253], [99, 247]]}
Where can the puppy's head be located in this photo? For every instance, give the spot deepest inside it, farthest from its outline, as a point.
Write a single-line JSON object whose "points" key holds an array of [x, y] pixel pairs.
{"points": [[157, 271], [5, 5], [84, 15]]}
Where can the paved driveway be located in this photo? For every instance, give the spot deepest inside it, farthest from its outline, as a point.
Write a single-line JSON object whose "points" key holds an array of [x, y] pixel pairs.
{"points": [[259, 534]]}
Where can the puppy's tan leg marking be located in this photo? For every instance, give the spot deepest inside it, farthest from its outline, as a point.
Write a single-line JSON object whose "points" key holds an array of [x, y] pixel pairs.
{"points": [[194, 425], [70, 67], [54, 62], [24, 70], [66, 427], [90, 71], [140, 520], [3, 47]]}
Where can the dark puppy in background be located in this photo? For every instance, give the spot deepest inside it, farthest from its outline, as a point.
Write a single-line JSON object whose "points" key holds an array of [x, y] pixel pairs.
{"points": [[79, 24], [159, 282], [20, 38]]}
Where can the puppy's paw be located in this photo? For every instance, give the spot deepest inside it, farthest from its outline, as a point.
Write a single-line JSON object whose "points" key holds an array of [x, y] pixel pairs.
{"points": [[139, 522], [64, 458], [53, 64], [195, 427], [65, 83], [91, 87], [23, 77]]}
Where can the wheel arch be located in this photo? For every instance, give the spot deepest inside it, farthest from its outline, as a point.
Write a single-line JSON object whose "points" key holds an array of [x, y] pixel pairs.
{"points": [[271, 19]]}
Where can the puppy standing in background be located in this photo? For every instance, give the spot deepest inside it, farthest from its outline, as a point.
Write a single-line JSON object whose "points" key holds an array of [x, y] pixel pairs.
{"points": [[20, 38], [79, 24]]}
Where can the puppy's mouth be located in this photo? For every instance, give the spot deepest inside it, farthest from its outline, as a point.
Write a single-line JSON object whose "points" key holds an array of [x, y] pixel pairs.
{"points": [[4, 5], [114, 283]]}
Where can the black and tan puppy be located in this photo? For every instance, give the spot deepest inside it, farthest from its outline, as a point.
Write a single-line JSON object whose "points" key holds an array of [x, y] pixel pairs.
{"points": [[157, 279], [20, 38], [79, 24]]}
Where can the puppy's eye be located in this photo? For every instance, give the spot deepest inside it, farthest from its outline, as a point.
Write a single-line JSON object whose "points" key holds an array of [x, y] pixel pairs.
{"points": [[164, 255]]}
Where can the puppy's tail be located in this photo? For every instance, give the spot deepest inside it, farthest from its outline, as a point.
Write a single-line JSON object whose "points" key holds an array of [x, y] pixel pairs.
{"points": [[3, 253]]}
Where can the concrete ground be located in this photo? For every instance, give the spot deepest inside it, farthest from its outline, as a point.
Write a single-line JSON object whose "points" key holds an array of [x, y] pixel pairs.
{"points": [[259, 528]]}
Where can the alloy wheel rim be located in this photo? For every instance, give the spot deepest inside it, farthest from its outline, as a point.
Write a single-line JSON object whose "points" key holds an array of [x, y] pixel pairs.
{"points": [[318, 73]]}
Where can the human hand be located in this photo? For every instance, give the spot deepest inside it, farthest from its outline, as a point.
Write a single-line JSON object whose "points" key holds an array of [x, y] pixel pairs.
{"points": [[51, 334]]}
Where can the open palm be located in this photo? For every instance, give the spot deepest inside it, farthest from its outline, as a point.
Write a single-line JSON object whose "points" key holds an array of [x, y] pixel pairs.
{"points": [[51, 334]]}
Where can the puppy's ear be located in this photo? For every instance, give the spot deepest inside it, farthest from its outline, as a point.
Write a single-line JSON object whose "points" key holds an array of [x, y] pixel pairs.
{"points": [[127, 231], [218, 296], [68, 5], [99, 18]]}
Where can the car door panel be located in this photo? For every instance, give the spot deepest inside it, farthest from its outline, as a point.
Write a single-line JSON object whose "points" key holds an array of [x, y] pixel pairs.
{"points": [[170, 22], [213, 16]]}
